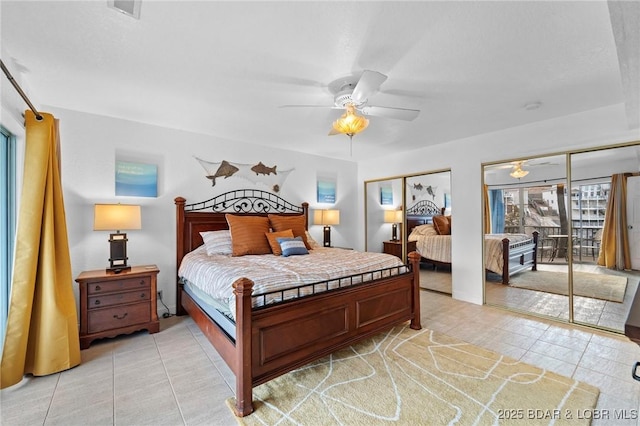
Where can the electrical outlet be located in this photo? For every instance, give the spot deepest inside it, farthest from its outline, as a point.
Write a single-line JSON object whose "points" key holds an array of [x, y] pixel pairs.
{"points": [[160, 294]]}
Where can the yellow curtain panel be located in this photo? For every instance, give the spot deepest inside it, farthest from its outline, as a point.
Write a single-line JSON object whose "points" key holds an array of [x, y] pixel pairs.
{"points": [[614, 248], [42, 326]]}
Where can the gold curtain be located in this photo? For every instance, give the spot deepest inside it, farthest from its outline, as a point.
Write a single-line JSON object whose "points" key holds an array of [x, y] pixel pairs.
{"points": [[42, 325], [487, 211], [614, 248]]}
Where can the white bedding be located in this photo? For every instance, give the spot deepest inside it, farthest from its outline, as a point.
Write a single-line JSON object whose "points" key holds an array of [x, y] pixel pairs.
{"points": [[215, 274], [436, 247]]}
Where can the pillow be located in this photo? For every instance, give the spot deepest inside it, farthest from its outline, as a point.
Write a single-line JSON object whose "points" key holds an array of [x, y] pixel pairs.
{"points": [[217, 242], [442, 225], [248, 234], [292, 246], [295, 223], [422, 231], [312, 243], [272, 237]]}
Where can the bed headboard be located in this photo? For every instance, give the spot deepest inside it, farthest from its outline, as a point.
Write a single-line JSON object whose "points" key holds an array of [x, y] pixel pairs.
{"points": [[209, 215], [422, 213]]}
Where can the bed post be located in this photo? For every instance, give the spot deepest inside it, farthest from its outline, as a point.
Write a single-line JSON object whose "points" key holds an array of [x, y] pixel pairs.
{"points": [[414, 259], [535, 251], [505, 261], [244, 377], [179, 251]]}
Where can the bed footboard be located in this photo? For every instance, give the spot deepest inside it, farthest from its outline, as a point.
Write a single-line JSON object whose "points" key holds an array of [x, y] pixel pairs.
{"points": [[519, 256]]}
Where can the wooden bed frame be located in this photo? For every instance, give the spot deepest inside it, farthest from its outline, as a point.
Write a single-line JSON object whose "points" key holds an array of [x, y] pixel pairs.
{"points": [[273, 340], [516, 257]]}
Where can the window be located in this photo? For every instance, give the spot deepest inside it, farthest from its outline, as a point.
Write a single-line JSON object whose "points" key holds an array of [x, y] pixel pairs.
{"points": [[7, 220]]}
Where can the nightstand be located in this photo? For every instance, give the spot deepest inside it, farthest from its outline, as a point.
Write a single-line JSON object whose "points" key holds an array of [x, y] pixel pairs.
{"points": [[395, 247], [113, 304]]}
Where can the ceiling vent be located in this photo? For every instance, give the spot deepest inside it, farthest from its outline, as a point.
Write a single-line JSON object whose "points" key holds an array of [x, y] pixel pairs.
{"points": [[128, 7]]}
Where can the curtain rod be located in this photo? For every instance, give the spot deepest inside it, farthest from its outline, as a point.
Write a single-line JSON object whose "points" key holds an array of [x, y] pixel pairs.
{"points": [[20, 92]]}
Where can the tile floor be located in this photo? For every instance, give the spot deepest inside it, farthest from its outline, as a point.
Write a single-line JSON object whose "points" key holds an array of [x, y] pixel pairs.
{"points": [[606, 314], [174, 377]]}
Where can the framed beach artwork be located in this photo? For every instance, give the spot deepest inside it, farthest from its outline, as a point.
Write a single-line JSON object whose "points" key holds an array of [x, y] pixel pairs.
{"points": [[326, 190], [386, 195], [136, 179]]}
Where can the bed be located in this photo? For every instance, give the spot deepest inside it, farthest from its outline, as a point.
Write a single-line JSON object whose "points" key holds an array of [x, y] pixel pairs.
{"points": [[505, 254], [279, 330]]}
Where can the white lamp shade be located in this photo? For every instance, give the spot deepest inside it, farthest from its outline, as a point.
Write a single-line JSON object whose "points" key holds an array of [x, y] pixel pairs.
{"points": [[393, 216], [116, 217], [326, 217]]}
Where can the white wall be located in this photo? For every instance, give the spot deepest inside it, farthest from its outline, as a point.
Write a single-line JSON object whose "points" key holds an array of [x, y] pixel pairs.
{"points": [[465, 157], [90, 144]]}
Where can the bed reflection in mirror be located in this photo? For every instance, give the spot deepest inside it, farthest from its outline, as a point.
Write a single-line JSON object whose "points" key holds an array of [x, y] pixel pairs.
{"points": [[527, 230], [428, 223]]}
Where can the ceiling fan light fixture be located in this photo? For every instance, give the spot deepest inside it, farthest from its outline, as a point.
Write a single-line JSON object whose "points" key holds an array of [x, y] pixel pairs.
{"points": [[350, 123], [517, 172]]}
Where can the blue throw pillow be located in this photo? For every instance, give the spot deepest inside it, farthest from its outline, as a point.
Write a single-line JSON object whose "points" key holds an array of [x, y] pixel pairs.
{"points": [[292, 246]]}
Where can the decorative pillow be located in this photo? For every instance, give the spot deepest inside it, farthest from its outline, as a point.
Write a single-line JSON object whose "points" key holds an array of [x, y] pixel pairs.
{"points": [[217, 242], [248, 234], [442, 225], [426, 230], [273, 237], [449, 220], [295, 223], [312, 243], [292, 246]]}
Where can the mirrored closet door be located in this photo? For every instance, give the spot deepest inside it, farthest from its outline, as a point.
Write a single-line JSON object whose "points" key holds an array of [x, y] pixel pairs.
{"points": [[605, 279], [527, 235]]}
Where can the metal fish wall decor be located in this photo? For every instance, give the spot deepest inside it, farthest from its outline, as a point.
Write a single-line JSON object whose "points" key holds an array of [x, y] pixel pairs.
{"points": [[254, 173]]}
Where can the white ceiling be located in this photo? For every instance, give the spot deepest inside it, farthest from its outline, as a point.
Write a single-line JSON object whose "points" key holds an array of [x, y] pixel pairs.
{"points": [[224, 68]]}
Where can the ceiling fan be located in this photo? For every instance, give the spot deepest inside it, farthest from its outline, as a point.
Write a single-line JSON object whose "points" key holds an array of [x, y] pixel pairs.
{"points": [[352, 94]]}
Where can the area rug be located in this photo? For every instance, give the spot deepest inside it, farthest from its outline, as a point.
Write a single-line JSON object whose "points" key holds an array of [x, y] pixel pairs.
{"points": [[408, 377], [596, 286]]}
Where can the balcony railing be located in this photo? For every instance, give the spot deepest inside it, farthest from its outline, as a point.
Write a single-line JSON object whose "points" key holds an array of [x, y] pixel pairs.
{"points": [[585, 242]]}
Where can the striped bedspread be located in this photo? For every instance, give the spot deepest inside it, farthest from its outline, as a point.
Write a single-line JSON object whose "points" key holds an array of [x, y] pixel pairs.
{"points": [[438, 248], [215, 274]]}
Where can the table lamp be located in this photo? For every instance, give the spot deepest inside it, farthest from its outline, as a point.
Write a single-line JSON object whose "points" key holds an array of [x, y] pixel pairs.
{"points": [[117, 217], [394, 217], [326, 218]]}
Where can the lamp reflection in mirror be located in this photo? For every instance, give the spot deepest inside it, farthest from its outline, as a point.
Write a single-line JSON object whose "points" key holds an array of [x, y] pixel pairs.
{"points": [[394, 217], [326, 218], [117, 217]]}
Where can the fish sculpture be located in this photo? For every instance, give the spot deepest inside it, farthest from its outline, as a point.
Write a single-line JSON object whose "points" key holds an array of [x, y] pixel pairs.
{"points": [[225, 170], [261, 169], [431, 191], [417, 186]]}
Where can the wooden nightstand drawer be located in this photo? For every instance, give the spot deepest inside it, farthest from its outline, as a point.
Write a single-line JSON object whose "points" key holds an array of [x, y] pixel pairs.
{"points": [[118, 298], [113, 304], [118, 285], [118, 317]]}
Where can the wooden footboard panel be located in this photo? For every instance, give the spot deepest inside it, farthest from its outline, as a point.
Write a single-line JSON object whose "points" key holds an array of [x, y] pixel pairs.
{"points": [[289, 336]]}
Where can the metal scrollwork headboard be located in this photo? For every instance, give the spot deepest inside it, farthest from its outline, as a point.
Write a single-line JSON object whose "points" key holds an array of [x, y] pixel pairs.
{"points": [[246, 201]]}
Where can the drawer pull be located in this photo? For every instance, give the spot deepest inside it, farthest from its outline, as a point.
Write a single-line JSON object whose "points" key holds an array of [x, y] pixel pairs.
{"points": [[98, 288], [142, 295], [141, 282], [122, 317], [97, 302]]}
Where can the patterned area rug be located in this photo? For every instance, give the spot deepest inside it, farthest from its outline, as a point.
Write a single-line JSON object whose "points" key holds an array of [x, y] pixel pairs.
{"points": [[421, 377], [596, 286]]}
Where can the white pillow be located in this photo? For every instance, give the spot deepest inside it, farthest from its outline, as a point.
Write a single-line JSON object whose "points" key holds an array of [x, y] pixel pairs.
{"points": [[422, 230], [217, 242], [312, 243]]}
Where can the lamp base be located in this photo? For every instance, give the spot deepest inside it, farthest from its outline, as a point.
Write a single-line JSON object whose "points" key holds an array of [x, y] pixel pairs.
{"points": [[326, 236], [118, 269]]}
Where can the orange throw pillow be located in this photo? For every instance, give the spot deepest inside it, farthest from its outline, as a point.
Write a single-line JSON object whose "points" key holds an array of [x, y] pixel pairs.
{"points": [[295, 223], [248, 234], [442, 225], [272, 237]]}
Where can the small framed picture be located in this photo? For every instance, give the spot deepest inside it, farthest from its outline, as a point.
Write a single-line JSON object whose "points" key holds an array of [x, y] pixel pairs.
{"points": [[136, 179], [386, 195], [326, 191]]}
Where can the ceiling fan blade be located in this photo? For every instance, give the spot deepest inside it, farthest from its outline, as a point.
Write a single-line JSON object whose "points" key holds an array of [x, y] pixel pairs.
{"points": [[309, 106], [388, 112], [369, 82]]}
